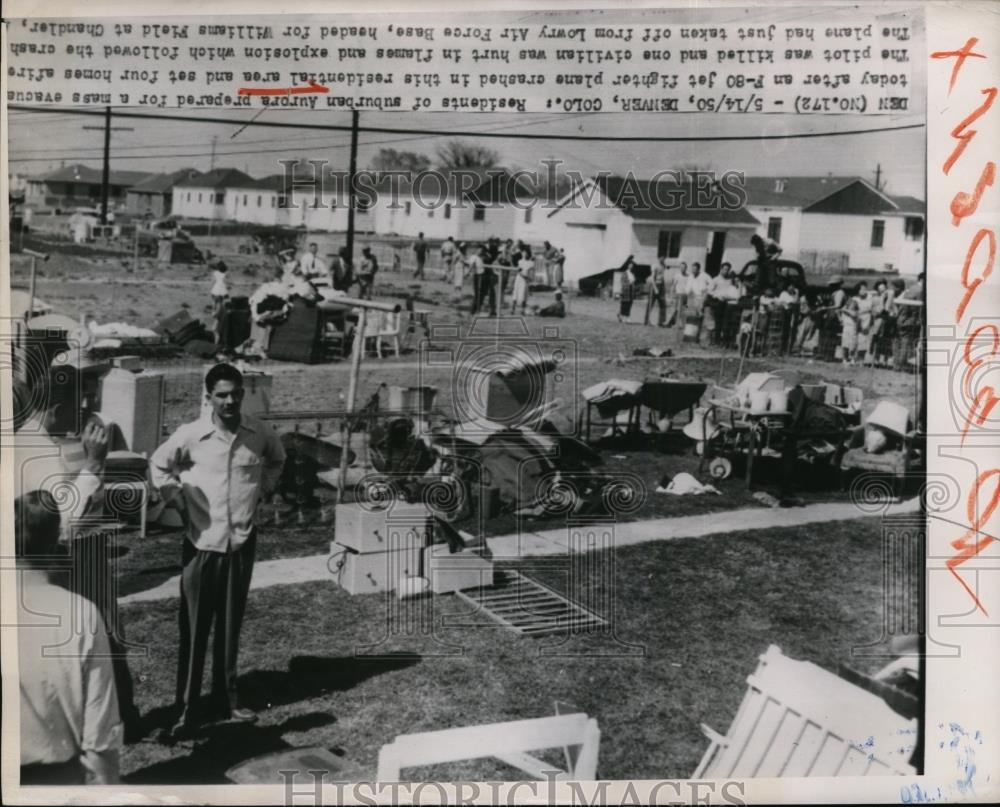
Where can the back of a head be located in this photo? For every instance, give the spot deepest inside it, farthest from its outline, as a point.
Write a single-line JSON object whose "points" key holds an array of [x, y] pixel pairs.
{"points": [[28, 400], [36, 526]]}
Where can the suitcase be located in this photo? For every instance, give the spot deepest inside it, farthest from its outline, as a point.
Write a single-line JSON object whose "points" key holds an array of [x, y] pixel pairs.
{"points": [[373, 572], [401, 526]]}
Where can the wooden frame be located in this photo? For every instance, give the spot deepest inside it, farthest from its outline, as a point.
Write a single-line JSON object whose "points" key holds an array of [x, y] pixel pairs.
{"points": [[798, 719], [508, 742]]}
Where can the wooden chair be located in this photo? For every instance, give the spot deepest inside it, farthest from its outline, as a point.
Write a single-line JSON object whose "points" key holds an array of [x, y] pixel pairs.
{"points": [[508, 742], [381, 325], [798, 719]]}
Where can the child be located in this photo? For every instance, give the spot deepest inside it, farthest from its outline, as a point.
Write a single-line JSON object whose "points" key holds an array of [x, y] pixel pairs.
{"points": [[557, 309]]}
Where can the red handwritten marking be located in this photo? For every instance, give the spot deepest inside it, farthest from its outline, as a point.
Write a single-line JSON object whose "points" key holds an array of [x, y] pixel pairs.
{"points": [[968, 551], [961, 55], [970, 365], [970, 289], [964, 204], [310, 89], [959, 133]]}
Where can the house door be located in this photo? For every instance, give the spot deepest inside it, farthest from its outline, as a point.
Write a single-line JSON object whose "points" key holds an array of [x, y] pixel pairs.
{"points": [[714, 260]]}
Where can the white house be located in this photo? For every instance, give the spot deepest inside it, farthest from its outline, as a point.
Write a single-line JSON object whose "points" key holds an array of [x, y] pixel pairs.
{"points": [[204, 196], [604, 220], [425, 205], [838, 223]]}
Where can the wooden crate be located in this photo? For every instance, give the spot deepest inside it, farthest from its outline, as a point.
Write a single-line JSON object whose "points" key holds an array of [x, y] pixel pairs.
{"points": [[373, 572], [449, 572], [364, 530]]}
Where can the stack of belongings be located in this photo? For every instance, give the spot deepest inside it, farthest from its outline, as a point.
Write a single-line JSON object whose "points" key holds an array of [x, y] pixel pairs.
{"points": [[522, 470], [883, 443], [189, 333], [614, 398]]}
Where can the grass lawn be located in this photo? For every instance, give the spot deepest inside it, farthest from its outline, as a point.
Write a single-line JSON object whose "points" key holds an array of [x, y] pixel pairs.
{"points": [[699, 610]]}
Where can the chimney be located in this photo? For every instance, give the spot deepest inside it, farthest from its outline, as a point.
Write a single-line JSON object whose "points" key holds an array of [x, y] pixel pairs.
{"points": [[779, 186]]}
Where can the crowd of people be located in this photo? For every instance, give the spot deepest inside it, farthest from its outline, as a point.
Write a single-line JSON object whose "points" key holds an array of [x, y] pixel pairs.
{"points": [[76, 706], [776, 312]]}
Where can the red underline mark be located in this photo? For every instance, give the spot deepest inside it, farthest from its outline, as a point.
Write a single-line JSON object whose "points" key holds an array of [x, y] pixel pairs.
{"points": [[311, 89]]}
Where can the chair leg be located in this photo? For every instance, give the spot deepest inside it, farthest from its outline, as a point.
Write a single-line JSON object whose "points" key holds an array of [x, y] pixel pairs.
{"points": [[395, 344]]}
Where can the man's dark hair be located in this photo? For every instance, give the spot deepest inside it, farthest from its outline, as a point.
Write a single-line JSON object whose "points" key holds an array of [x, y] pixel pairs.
{"points": [[223, 372], [36, 525]]}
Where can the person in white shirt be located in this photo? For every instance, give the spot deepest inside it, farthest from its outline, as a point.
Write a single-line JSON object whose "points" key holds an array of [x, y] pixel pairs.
{"points": [[311, 266], [220, 293], [70, 727], [42, 463], [221, 466]]}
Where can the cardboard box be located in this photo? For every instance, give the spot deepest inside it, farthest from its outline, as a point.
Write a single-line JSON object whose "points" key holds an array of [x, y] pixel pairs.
{"points": [[373, 572], [455, 571], [134, 402], [364, 530]]}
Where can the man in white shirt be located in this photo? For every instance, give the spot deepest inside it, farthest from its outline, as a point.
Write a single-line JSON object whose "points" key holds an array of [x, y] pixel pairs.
{"points": [[221, 466], [70, 727], [311, 266]]}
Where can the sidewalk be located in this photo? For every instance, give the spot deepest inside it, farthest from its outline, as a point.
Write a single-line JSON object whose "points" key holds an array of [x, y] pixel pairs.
{"points": [[555, 542]]}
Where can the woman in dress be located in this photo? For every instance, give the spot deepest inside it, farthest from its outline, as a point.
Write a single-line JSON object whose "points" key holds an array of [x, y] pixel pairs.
{"points": [[628, 290], [525, 273]]}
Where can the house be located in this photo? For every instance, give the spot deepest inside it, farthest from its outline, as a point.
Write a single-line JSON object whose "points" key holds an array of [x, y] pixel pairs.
{"points": [[153, 196], [204, 196], [604, 220], [833, 224], [426, 203], [258, 201], [78, 185]]}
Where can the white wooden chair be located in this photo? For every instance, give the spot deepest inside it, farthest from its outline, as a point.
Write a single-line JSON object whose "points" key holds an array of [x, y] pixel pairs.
{"points": [[381, 325], [798, 719], [508, 742]]}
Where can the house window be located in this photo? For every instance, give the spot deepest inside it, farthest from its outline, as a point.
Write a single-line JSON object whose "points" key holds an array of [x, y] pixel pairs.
{"points": [[479, 213], [669, 244], [220, 197], [272, 201], [199, 197], [258, 201], [408, 206], [188, 196], [774, 229], [914, 228], [527, 215], [447, 211], [878, 232], [244, 200]]}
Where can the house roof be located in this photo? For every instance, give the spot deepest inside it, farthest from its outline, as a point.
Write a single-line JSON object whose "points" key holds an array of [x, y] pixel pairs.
{"points": [[161, 183], [500, 189], [86, 174], [805, 192], [910, 205], [644, 200], [219, 178]]}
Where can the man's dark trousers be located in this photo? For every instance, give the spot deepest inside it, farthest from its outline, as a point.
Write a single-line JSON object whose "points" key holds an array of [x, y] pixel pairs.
{"points": [[214, 588]]}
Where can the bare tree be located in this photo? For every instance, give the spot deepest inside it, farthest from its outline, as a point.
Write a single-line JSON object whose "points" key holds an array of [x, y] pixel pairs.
{"points": [[393, 160], [459, 155]]}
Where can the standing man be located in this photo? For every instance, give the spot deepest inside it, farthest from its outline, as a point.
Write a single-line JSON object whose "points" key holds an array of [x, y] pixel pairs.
{"points": [[221, 465], [420, 253], [312, 266]]}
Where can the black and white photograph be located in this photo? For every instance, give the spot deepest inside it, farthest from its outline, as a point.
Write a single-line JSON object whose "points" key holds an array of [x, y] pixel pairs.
{"points": [[491, 396]]}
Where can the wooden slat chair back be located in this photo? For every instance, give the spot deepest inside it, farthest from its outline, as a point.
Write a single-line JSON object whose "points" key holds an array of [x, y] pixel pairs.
{"points": [[508, 742], [798, 719]]}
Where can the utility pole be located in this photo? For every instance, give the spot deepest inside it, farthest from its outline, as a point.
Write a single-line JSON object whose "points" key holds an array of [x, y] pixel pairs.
{"points": [[350, 186], [878, 176], [106, 173], [211, 164]]}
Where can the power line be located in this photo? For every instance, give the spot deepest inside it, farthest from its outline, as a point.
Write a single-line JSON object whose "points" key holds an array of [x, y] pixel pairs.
{"points": [[552, 119], [495, 134]]}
